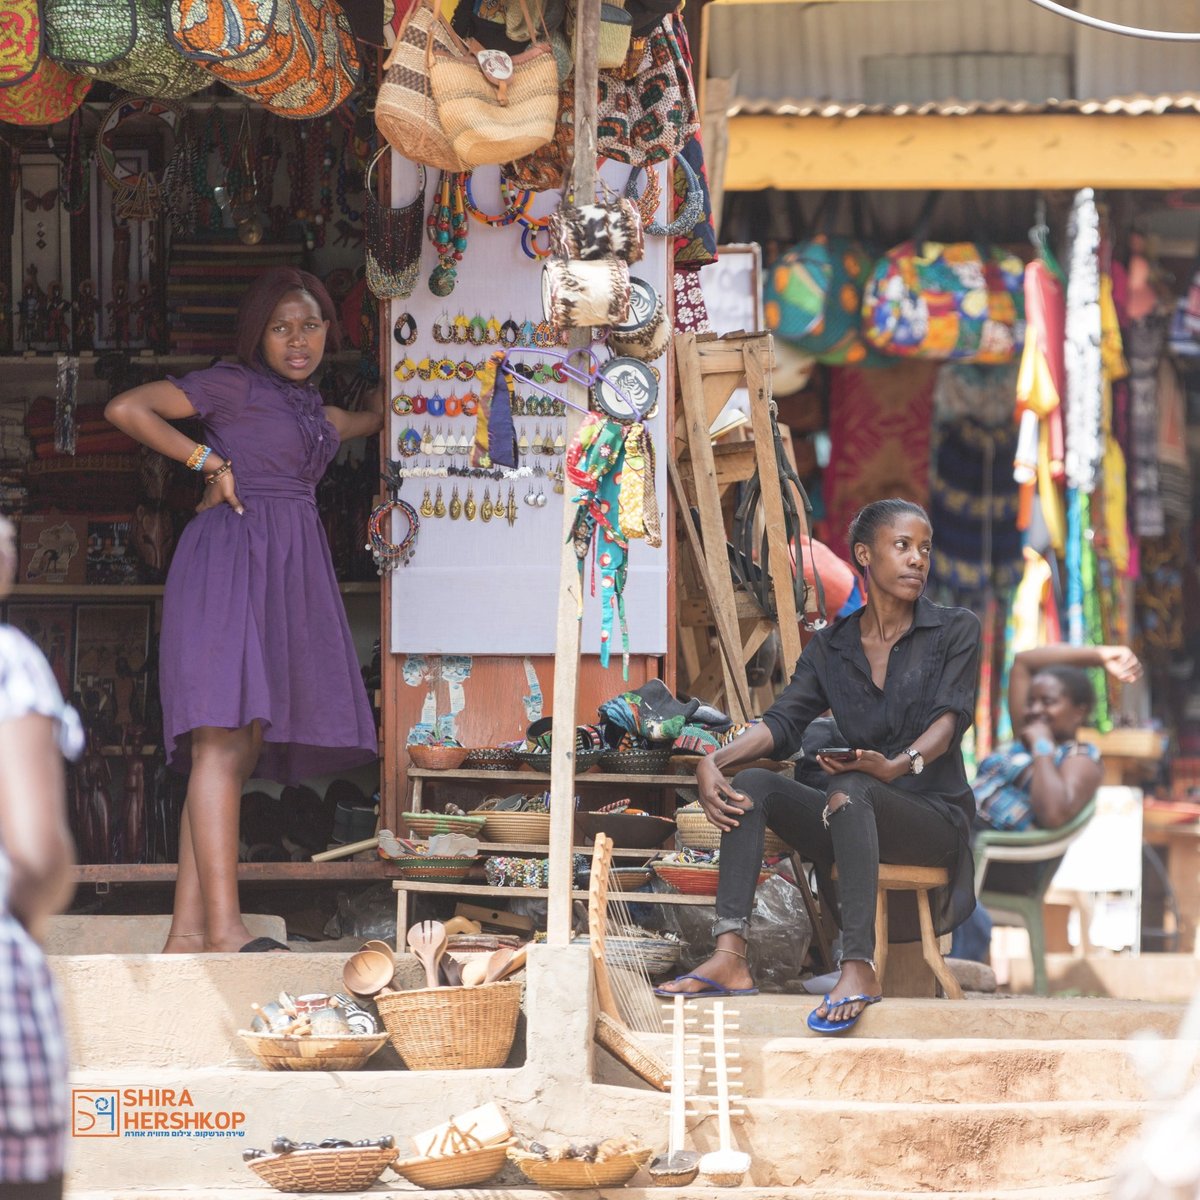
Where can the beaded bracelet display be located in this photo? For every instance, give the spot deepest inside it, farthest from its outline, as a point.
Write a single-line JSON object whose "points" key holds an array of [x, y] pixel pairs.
{"points": [[197, 458], [389, 555]]}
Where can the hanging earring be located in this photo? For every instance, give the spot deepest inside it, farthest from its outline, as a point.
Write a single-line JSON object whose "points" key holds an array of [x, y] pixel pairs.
{"points": [[439, 505], [523, 444], [426, 441], [426, 505], [511, 508], [541, 498], [455, 505], [469, 506], [485, 510]]}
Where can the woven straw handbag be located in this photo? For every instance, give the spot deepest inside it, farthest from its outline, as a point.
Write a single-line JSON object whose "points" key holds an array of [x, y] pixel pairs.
{"points": [[494, 107], [20, 42], [405, 113], [51, 94], [208, 32]]}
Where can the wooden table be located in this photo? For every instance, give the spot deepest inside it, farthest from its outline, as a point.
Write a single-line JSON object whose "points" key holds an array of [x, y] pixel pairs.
{"points": [[1182, 844]]}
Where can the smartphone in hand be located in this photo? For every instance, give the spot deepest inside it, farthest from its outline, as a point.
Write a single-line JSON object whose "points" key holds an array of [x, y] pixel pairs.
{"points": [[838, 753]]}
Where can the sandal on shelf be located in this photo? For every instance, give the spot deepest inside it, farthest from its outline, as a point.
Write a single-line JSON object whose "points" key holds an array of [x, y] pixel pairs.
{"points": [[824, 1025], [263, 945], [711, 988]]}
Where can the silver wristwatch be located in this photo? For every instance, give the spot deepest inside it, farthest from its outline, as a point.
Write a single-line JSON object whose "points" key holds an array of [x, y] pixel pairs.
{"points": [[916, 762]]}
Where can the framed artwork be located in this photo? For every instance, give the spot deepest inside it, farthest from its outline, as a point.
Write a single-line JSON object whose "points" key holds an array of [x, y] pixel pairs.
{"points": [[112, 642], [51, 628]]}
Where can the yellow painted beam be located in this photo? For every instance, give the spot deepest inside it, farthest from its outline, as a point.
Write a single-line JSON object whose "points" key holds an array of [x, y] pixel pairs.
{"points": [[1049, 150]]}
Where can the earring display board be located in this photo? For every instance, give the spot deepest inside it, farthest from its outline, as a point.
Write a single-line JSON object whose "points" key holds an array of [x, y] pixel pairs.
{"points": [[490, 586]]}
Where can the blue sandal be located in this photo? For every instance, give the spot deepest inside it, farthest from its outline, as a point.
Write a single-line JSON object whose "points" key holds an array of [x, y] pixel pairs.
{"points": [[824, 1025], [711, 988]]}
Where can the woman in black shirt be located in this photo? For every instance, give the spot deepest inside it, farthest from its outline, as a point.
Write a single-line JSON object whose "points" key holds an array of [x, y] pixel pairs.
{"points": [[899, 676]]}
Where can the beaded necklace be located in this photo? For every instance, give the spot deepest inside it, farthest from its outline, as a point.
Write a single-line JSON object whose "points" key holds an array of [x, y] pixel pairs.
{"points": [[76, 178], [215, 141], [446, 227]]}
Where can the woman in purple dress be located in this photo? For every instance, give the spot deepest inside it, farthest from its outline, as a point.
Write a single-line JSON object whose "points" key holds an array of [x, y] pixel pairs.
{"points": [[258, 672]]}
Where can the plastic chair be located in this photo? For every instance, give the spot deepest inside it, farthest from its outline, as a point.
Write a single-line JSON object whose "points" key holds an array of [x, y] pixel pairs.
{"points": [[1044, 848]]}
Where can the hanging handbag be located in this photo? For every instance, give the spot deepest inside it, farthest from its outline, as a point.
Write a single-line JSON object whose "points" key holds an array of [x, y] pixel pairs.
{"points": [[611, 227], [208, 32], [20, 42], [306, 67], [961, 302], [51, 94], [393, 240], [405, 113], [646, 333], [88, 33], [616, 30], [579, 295], [493, 106]]}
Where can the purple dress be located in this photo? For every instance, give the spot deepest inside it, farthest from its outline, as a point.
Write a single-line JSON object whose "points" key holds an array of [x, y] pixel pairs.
{"points": [[253, 624]]}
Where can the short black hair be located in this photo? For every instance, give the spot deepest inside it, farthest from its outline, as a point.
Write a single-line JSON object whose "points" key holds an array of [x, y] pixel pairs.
{"points": [[1075, 683], [877, 515]]}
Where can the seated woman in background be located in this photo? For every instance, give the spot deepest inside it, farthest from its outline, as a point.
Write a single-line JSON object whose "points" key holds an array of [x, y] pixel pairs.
{"points": [[899, 676], [1045, 777]]}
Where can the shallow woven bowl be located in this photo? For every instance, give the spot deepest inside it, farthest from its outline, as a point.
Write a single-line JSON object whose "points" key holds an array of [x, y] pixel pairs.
{"points": [[654, 956], [697, 832], [432, 868], [426, 824], [694, 879], [490, 758], [350, 1169], [629, 831], [533, 828], [636, 762], [574, 1173], [540, 761], [289, 1052], [438, 758], [454, 1170], [628, 879], [452, 1029]]}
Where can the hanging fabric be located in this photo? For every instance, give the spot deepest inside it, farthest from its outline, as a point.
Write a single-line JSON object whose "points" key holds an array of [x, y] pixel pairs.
{"points": [[51, 94], [20, 42], [1082, 353]]}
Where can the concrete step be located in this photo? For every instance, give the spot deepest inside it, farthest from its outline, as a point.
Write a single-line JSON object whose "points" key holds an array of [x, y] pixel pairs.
{"points": [[142, 933]]}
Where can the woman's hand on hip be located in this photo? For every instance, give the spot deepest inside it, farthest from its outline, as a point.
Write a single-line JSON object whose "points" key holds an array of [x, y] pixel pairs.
{"points": [[722, 805], [221, 491]]}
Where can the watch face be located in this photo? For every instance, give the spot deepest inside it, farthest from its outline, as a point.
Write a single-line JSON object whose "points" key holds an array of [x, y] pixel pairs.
{"points": [[918, 763]]}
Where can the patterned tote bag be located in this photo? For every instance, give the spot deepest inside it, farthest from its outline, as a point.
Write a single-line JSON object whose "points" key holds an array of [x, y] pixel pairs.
{"points": [[212, 32], [88, 33]]}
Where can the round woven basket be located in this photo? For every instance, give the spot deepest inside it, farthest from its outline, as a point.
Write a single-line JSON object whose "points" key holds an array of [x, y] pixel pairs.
{"points": [[352, 1169], [452, 1029], [636, 762], [438, 758], [539, 760], [454, 1170], [288, 1052], [697, 832], [532, 828], [490, 758], [575, 1173], [639, 1058], [432, 868], [425, 824], [694, 879], [628, 879]]}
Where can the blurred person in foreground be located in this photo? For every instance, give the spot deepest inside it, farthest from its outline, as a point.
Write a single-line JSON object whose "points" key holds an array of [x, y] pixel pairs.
{"points": [[36, 729]]}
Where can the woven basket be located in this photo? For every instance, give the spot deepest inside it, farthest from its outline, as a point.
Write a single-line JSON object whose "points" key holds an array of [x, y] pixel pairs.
{"points": [[654, 956], [351, 1169], [452, 1029], [628, 879], [636, 762], [539, 760], [454, 1170], [438, 758], [622, 1044], [426, 824], [510, 828], [697, 832], [289, 1052], [490, 758], [433, 868], [575, 1173], [694, 879]]}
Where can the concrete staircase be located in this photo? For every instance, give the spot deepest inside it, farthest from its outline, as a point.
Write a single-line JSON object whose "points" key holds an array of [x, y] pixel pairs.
{"points": [[985, 1099]]}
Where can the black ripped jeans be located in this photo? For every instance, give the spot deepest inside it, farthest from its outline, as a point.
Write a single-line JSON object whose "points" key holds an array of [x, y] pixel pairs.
{"points": [[880, 823]]}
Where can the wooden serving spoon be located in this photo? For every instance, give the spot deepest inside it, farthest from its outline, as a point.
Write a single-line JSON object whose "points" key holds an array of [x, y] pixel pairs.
{"points": [[427, 940], [504, 962], [474, 972]]}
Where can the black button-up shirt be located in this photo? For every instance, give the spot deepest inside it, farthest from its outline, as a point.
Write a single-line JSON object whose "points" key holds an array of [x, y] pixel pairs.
{"points": [[934, 669]]}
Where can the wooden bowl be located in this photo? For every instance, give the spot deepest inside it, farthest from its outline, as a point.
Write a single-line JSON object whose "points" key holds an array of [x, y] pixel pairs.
{"points": [[292, 1052], [438, 758], [629, 831]]}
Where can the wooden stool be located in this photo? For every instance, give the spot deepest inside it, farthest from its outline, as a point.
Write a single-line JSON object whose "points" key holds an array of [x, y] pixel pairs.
{"points": [[893, 878]]}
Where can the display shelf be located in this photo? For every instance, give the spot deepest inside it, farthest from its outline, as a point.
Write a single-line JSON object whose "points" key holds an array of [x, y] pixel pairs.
{"points": [[264, 872], [481, 889], [590, 778]]}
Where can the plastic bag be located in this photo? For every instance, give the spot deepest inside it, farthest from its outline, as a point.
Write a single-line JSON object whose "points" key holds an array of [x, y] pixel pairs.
{"points": [[369, 914], [780, 933]]}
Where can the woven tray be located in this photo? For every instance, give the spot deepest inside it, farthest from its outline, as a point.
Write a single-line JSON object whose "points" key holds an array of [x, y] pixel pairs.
{"points": [[628, 879], [352, 1169], [454, 1170], [452, 1029], [489, 758], [636, 762], [625, 1046], [532, 828], [431, 868], [574, 1173], [540, 760], [288, 1052], [426, 824], [697, 832], [694, 879], [655, 956]]}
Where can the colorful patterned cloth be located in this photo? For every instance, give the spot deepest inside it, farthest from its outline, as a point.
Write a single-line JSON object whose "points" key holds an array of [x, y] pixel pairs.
{"points": [[1002, 791]]}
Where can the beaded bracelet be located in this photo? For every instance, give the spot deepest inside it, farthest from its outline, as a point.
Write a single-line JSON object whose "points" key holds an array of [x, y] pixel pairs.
{"points": [[389, 555], [197, 458]]}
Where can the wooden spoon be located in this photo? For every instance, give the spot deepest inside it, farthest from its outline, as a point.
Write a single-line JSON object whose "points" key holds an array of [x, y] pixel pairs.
{"points": [[504, 962], [427, 940], [474, 972], [451, 970]]}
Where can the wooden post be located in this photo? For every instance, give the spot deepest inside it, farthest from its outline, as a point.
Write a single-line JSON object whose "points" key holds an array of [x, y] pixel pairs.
{"points": [[570, 588]]}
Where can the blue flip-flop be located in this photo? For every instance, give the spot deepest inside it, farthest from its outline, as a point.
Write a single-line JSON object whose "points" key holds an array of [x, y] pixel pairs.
{"points": [[823, 1025], [711, 988]]}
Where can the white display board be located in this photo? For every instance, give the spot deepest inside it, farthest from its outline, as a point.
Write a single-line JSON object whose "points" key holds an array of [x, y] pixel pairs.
{"points": [[475, 588]]}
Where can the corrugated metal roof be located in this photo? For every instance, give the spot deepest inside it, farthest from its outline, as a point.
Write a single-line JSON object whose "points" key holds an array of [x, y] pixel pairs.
{"points": [[1135, 106], [777, 51]]}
